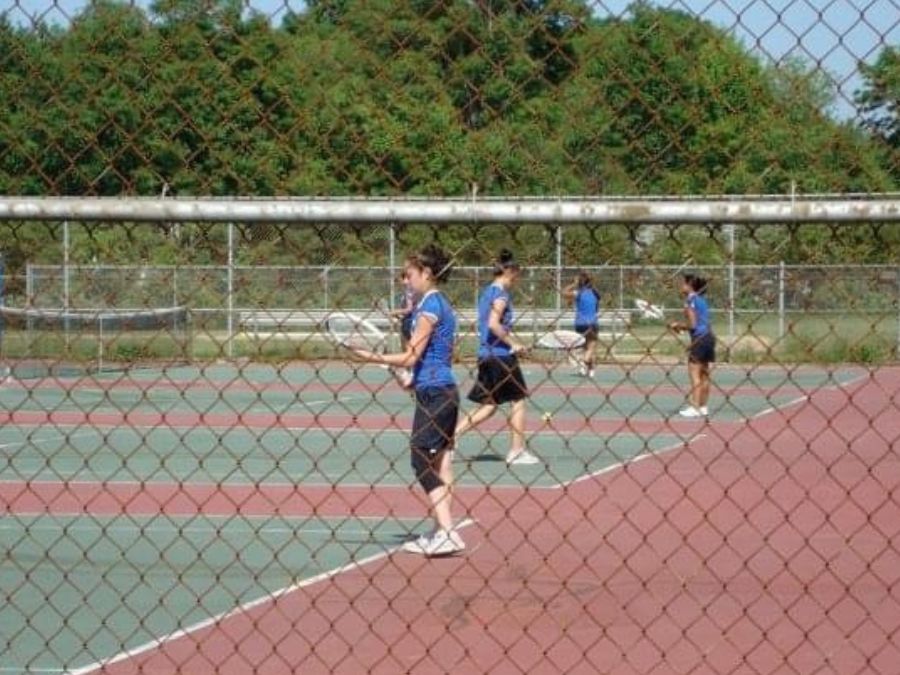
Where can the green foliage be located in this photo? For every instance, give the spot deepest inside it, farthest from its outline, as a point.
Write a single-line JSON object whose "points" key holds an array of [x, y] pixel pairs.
{"points": [[422, 98]]}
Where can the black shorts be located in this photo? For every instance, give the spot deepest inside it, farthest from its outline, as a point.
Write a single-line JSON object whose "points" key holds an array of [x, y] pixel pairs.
{"points": [[500, 380], [702, 349], [434, 422], [589, 330]]}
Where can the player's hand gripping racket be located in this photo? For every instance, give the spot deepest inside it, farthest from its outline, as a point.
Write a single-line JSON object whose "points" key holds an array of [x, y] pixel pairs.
{"points": [[362, 337]]}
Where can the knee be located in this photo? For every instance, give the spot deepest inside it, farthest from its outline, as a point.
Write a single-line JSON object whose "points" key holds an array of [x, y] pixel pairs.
{"points": [[425, 465]]}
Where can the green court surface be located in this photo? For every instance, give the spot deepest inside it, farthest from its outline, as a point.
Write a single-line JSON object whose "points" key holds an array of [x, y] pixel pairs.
{"points": [[80, 589], [650, 392], [278, 456], [297, 424]]}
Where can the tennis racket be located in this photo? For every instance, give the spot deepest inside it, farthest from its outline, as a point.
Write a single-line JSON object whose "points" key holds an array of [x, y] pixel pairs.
{"points": [[562, 342], [648, 310], [559, 340], [355, 333]]}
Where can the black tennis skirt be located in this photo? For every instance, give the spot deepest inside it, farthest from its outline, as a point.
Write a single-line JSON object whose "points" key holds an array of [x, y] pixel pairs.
{"points": [[500, 380]]}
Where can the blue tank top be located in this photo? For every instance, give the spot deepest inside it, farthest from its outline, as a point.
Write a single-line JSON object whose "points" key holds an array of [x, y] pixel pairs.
{"points": [[587, 303], [701, 312], [434, 368], [489, 344]]}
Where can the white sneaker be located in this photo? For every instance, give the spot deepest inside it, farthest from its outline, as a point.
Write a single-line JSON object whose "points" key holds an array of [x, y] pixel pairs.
{"points": [[690, 411], [419, 544], [457, 539], [522, 458], [704, 411], [439, 543], [590, 373]]}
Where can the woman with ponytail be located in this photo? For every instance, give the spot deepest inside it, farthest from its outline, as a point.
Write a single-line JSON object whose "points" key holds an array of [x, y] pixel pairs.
{"points": [[587, 307], [500, 378], [702, 350]]}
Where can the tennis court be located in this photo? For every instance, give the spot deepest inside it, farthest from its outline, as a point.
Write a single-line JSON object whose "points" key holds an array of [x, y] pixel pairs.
{"points": [[235, 518]]}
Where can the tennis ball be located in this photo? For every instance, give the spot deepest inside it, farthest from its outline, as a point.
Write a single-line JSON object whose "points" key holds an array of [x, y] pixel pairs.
{"points": [[547, 416]]}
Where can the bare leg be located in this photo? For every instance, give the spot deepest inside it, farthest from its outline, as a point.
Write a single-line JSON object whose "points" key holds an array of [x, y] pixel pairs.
{"points": [[590, 346], [705, 385], [475, 417], [517, 427], [696, 372], [442, 497]]}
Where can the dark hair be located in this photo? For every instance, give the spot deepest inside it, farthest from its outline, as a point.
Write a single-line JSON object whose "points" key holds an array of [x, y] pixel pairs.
{"points": [[505, 261], [697, 283], [433, 258], [584, 280]]}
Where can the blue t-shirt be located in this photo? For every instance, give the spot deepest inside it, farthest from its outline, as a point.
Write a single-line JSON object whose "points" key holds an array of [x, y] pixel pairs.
{"points": [[587, 303], [434, 367], [489, 344], [701, 312]]}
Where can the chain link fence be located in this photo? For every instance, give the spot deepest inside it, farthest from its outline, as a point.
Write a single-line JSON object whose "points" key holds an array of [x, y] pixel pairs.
{"points": [[195, 478]]}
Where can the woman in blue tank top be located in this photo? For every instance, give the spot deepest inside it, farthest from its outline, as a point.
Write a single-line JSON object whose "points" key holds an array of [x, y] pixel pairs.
{"points": [[429, 353], [702, 350]]}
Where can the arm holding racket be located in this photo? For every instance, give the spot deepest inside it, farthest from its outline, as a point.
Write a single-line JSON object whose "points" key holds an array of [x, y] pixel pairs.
{"points": [[405, 359], [679, 326], [364, 339], [496, 327]]}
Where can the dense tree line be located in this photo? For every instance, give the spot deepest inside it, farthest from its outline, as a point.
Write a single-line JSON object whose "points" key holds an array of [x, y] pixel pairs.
{"points": [[421, 97]]}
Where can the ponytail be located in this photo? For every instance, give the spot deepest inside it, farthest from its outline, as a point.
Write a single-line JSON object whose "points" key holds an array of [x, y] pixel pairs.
{"points": [[505, 261]]}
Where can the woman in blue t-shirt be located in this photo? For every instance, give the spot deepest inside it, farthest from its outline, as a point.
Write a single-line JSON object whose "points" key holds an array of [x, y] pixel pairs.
{"points": [[429, 353], [500, 379], [587, 307], [702, 350]]}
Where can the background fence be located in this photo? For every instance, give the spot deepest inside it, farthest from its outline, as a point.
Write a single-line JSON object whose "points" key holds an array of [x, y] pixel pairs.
{"points": [[769, 300], [179, 494]]}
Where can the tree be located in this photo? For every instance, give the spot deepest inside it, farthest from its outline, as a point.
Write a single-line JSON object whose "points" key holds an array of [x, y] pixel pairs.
{"points": [[879, 98]]}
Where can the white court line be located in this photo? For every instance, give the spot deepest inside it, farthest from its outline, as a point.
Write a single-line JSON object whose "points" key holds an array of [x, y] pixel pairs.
{"points": [[686, 443], [626, 462], [240, 609], [805, 397], [39, 441]]}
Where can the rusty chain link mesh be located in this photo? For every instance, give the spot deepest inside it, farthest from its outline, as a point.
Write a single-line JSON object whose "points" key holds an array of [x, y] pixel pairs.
{"points": [[193, 479]]}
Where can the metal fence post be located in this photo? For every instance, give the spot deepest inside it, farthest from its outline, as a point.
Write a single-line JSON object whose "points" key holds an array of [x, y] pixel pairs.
{"points": [[781, 300], [230, 348]]}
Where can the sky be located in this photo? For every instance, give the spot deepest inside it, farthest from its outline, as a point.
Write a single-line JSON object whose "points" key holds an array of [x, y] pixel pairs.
{"points": [[833, 35]]}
